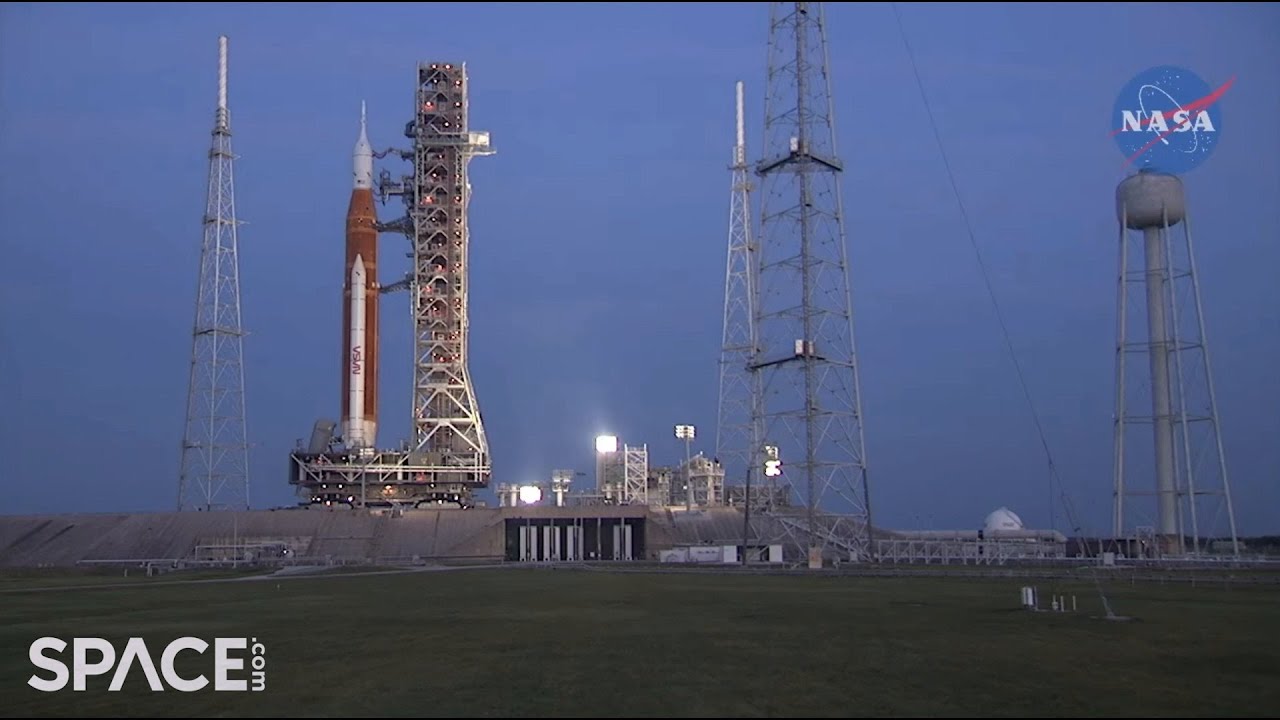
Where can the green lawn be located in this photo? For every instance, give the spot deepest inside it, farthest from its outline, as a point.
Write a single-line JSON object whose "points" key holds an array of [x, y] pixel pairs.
{"points": [[26, 578], [524, 642]]}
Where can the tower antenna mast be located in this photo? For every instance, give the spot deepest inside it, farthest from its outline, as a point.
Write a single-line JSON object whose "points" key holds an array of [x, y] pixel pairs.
{"points": [[807, 354], [215, 448], [736, 444]]}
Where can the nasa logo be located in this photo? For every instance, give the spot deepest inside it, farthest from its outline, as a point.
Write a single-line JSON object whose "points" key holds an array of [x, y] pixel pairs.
{"points": [[357, 360], [1168, 119]]}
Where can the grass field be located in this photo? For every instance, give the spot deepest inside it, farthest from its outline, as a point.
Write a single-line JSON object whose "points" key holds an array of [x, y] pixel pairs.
{"points": [[527, 642]]}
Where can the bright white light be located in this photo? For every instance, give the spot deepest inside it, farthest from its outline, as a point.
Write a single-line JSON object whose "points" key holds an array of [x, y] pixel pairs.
{"points": [[606, 444], [685, 432], [772, 465], [530, 494]]}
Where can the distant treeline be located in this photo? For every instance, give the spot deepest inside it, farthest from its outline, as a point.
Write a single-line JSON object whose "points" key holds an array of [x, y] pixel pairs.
{"points": [[1132, 547], [1262, 543]]}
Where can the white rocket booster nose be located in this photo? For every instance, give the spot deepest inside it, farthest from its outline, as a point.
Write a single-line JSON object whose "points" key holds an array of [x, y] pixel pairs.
{"points": [[355, 431], [362, 158], [357, 272]]}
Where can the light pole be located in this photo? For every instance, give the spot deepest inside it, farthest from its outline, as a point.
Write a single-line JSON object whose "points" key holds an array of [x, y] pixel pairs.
{"points": [[606, 447], [686, 433]]}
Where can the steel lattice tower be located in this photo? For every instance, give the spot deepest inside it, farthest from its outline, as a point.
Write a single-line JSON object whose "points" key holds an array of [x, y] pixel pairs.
{"points": [[734, 438], [215, 448], [448, 430], [811, 405]]}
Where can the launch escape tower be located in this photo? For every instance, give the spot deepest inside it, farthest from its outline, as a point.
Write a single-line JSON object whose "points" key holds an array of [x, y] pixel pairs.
{"points": [[1190, 485], [215, 447], [808, 400], [447, 455]]}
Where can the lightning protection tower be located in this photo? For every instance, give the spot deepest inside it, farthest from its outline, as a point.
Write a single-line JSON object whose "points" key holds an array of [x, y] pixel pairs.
{"points": [[734, 430], [811, 405], [215, 448], [1188, 467]]}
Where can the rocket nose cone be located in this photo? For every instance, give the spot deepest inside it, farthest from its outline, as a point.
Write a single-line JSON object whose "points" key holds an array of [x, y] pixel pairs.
{"points": [[362, 145], [362, 157]]}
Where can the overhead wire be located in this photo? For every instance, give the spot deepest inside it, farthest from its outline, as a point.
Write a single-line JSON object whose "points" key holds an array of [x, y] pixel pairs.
{"points": [[1054, 478]]}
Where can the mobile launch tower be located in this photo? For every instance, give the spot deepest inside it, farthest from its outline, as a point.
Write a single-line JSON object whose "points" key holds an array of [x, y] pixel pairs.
{"points": [[447, 456]]}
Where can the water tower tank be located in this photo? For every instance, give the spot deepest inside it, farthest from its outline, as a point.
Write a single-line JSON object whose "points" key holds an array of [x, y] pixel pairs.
{"points": [[1142, 199]]}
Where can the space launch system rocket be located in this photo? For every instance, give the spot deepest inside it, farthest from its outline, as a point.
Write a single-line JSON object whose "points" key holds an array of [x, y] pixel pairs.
{"points": [[360, 304]]}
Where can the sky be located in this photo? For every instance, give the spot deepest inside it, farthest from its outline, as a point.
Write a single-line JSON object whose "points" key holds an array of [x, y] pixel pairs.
{"points": [[599, 232]]}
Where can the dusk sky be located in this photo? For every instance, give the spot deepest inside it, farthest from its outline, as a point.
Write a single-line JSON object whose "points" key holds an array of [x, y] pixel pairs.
{"points": [[599, 231]]}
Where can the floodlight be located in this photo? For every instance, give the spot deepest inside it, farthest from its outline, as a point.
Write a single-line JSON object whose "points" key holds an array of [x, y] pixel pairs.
{"points": [[606, 444], [772, 465], [530, 494]]}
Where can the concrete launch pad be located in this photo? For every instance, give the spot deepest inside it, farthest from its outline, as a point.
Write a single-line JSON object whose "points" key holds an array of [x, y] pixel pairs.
{"points": [[400, 534], [342, 535]]}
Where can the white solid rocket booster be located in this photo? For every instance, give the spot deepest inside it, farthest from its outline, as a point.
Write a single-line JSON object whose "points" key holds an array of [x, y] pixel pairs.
{"points": [[356, 362]]}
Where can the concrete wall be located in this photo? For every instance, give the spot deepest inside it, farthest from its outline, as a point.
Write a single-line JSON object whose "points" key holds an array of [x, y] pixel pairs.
{"points": [[335, 534], [340, 535]]}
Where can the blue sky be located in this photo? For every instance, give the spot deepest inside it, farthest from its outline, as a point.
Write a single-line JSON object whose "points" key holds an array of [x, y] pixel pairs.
{"points": [[599, 231]]}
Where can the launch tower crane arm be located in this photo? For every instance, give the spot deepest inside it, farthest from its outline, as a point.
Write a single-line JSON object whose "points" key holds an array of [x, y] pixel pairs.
{"points": [[404, 154], [398, 285]]}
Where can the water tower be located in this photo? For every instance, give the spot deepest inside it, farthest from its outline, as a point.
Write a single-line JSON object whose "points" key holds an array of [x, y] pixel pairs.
{"points": [[1164, 381]]}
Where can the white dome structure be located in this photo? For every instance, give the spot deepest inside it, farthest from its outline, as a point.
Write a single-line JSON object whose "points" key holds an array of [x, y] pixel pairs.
{"points": [[1003, 519]]}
